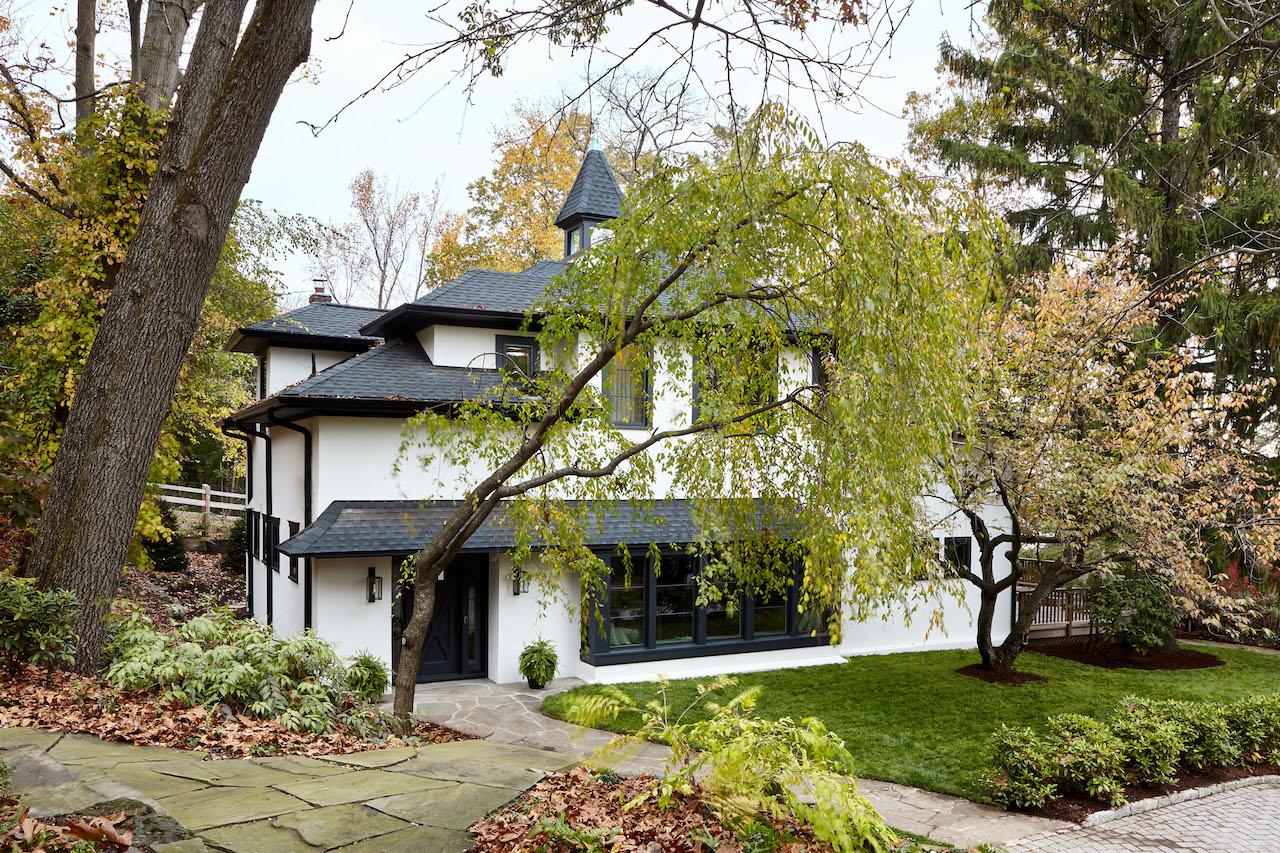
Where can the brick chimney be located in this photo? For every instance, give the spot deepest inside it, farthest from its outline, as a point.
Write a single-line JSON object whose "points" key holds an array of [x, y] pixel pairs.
{"points": [[319, 295]]}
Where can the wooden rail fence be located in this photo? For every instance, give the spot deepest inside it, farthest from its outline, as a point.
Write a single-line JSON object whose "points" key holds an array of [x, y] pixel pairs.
{"points": [[203, 498]]}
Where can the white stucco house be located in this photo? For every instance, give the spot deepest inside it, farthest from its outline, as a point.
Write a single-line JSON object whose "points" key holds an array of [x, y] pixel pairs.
{"points": [[330, 517]]}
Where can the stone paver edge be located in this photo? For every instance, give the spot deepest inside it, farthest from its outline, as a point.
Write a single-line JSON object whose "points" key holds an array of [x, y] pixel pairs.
{"points": [[1153, 803]]}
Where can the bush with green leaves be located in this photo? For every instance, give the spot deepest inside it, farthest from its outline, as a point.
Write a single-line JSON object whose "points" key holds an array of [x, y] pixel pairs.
{"points": [[539, 662], [1023, 773], [1132, 607], [235, 546], [367, 677], [166, 551], [751, 771], [1147, 742], [1088, 758], [217, 659], [36, 626]]}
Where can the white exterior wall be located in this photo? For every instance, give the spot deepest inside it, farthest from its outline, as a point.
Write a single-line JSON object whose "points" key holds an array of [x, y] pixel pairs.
{"points": [[287, 365], [355, 458], [342, 613]]}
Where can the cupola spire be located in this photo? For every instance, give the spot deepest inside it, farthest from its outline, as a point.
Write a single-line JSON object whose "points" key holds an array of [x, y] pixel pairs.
{"points": [[594, 198]]}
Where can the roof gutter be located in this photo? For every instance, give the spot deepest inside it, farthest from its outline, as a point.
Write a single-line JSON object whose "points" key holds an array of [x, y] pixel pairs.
{"points": [[306, 504]]}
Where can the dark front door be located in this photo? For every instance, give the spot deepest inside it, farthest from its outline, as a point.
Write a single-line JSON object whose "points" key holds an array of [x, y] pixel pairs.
{"points": [[456, 645]]}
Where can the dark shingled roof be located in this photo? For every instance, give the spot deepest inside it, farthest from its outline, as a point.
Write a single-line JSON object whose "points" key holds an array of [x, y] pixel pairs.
{"points": [[366, 528], [595, 193], [330, 321], [493, 291], [397, 369]]}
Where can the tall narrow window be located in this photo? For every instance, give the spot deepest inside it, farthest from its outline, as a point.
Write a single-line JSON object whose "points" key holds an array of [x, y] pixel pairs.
{"points": [[957, 553], [294, 527], [626, 603], [517, 354], [626, 388], [676, 577]]}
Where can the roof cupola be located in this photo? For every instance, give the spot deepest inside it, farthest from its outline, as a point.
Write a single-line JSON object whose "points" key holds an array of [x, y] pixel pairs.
{"points": [[594, 198]]}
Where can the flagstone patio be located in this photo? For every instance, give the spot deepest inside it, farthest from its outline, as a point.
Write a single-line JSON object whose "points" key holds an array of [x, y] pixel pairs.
{"points": [[410, 799]]}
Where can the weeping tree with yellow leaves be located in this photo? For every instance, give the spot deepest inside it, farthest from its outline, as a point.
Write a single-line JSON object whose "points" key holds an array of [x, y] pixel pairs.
{"points": [[727, 274]]}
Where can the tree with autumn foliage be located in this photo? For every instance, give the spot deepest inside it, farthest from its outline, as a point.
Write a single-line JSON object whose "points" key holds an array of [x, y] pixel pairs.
{"points": [[1103, 448]]}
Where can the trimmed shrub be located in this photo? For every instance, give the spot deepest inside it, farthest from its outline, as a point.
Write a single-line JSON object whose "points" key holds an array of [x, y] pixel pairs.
{"points": [[1022, 777], [217, 659], [1088, 758], [36, 626], [1153, 745], [166, 552], [1146, 742], [367, 678]]}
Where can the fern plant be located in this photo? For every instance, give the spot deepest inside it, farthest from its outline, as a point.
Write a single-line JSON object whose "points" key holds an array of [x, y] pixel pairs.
{"points": [[538, 663], [754, 772]]}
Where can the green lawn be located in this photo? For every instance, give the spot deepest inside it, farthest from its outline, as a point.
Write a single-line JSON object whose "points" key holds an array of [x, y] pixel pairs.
{"points": [[911, 718]]}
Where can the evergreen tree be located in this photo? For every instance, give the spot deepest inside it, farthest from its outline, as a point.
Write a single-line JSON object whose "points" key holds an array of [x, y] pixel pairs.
{"points": [[1151, 120]]}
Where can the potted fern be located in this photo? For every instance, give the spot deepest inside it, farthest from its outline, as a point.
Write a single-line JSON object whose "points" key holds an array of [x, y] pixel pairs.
{"points": [[538, 663]]}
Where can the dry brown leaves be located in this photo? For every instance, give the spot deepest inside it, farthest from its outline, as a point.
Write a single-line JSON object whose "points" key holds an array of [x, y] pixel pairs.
{"points": [[67, 702], [35, 835], [586, 803], [159, 594]]}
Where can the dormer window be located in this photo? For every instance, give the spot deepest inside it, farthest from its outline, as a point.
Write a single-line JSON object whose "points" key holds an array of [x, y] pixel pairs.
{"points": [[517, 354], [573, 241]]}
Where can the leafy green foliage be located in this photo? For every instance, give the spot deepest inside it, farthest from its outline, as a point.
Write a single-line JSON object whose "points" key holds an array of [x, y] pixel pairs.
{"points": [[235, 546], [36, 626], [1145, 741], [912, 718], [166, 551], [748, 768], [367, 677], [1133, 117], [539, 661], [1134, 608], [218, 659]]}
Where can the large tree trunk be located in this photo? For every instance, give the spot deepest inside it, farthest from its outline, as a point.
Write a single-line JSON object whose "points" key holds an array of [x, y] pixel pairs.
{"points": [[166, 32], [127, 384]]}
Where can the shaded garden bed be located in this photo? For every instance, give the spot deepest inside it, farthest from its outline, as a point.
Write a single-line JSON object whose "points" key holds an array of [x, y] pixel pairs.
{"points": [[579, 810], [1110, 655], [1077, 808], [66, 702], [168, 596]]}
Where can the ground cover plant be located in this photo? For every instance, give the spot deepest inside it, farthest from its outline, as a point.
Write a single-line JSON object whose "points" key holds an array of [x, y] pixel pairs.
{"points": [[911, 718], [1143, 742]]}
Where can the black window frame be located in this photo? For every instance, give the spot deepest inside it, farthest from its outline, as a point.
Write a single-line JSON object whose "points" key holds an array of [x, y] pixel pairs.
{"points": [[294, 527], [647, 384], [500, 342], [273, 542], [957, 554], [698, 378], [597, 651]]}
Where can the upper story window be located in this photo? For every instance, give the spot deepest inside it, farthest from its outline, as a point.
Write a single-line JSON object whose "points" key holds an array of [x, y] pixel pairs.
{"points": [[517, 354], [627, 389], [759, 382], [573, 240]]}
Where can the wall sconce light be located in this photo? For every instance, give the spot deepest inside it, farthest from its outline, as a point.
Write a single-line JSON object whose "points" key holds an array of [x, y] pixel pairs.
{"points": [[519, 581], [373, 585]]}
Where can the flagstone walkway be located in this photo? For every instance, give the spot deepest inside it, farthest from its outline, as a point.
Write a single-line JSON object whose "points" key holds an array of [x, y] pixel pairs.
{"points": [[392, 800]]}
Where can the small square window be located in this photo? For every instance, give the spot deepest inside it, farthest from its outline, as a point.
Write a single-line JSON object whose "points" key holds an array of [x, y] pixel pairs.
{"points": [[957, 554], [517, 354]]}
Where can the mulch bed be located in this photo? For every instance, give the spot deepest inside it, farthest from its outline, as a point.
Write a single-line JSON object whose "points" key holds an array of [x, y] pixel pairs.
{"points": [[66, 702], [164, 596], [566, 812], [1077, 808], [1110, 655], [975, 670], [589, 804]]}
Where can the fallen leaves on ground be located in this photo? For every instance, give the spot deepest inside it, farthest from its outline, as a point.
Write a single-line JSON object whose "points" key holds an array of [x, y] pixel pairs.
{"points": [[67, 702], [164, 596], [27, 833], [581, 804]]}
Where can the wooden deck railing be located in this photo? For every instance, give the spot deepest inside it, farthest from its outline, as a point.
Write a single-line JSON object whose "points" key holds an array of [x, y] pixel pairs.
{"points": [[1063, 613]]}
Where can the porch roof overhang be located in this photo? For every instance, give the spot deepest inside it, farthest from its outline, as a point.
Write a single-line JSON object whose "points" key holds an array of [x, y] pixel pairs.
{"points": [[394, 527]]}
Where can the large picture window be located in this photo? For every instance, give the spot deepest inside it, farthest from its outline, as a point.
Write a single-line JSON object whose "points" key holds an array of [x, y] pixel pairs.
{"points": [[650, 611], [626, 389]]}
